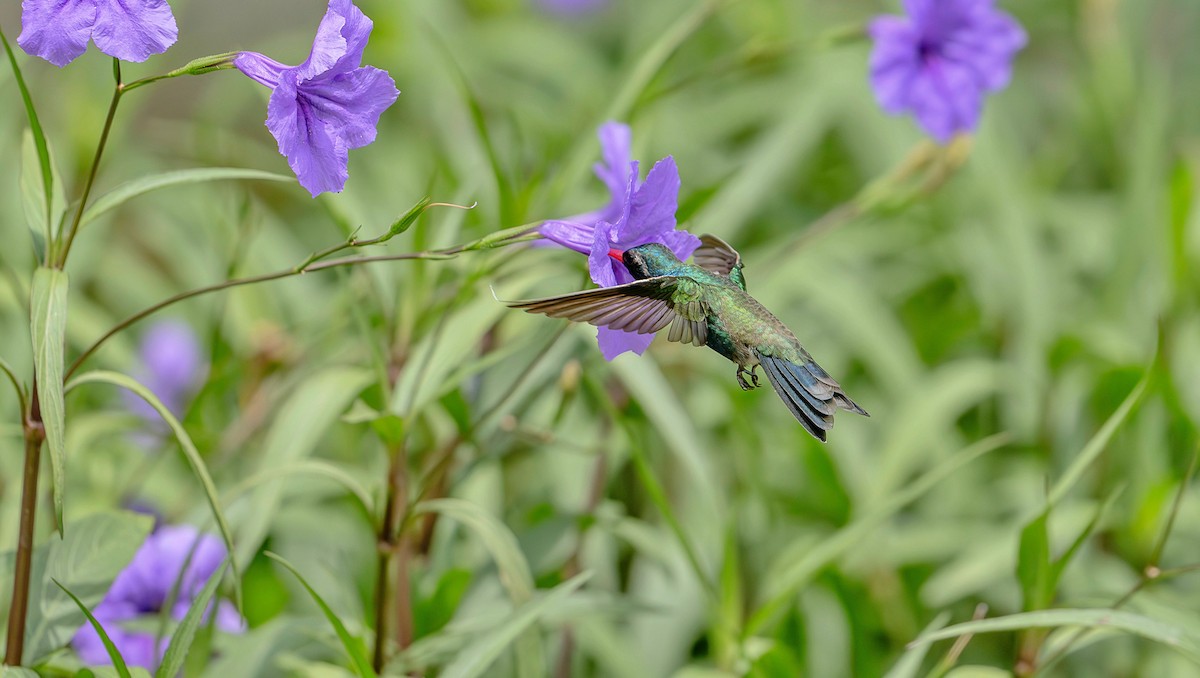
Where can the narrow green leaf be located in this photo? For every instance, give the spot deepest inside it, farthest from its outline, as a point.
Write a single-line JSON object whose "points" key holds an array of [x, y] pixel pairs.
{"points": [[1096, 445], [113, 653], [132, 189], [35, 127], [1033, 563], [480, 655], [910, 662], [181, 642], [43, 212], [497, 538], [310, 467], [48, 310], [1061, 563], [1129, 622], [352, 645], [185, 443]]}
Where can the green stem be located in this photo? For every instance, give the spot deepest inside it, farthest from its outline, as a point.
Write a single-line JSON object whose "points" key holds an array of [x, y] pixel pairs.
{"points": [[91, 179], [488, 242], [12, 377]]}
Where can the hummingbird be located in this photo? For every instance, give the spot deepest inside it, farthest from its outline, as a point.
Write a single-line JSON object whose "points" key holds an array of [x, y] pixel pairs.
{"points": [[705, 303]]}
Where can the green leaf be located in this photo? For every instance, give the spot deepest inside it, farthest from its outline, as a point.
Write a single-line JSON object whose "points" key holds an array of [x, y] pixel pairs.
{"points": [[113, 654], [313, 407], [181, 642], [86, 560], [48, 324], [480, 655], [352, 645], [515, 573], [185, 443], [309, 467], [1033, 563], [17, 672], [1097, 443], [132, 189], [42, 213], [39, 137], [1129, 622], [788, 574], [910, 661]]}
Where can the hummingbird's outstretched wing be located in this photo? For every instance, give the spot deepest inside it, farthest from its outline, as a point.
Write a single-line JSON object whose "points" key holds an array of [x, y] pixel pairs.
{"points": [[643, 306], [718, 256]]}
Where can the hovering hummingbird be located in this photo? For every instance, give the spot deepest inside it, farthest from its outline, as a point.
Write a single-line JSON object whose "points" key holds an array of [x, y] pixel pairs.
{"points": [[705, 303]]}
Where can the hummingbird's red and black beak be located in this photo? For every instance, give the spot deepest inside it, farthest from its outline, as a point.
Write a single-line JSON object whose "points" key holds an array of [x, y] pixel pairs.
{"points": [[616, 254]]}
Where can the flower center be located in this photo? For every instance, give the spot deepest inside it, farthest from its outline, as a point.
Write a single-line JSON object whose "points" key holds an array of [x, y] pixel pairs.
{"points": [[927, 50]]}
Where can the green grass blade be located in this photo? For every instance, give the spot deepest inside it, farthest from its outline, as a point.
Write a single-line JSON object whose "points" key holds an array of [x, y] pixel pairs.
{"points": [[910, 662], [185, 443], [181, 642], [1129, 622], [352, 646], [480, 655], [48, 310], [113, 654], [306, 467], [132, 189], [1096, 445]]}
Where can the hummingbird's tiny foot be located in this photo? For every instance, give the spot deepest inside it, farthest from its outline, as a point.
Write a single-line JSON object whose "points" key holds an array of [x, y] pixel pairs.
{"points": [[754, 375], [742, 380]]}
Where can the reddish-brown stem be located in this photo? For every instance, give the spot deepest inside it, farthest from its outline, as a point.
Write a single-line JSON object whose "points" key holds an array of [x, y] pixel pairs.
{"points": [[35, 433], [393, 543]]}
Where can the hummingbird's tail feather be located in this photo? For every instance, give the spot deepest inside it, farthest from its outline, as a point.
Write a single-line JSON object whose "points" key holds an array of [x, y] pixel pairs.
{"points": [[809, 392], [804, 405]]}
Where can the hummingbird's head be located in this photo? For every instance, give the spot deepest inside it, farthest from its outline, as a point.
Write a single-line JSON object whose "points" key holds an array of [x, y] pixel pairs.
{"points": [[645, 261]]}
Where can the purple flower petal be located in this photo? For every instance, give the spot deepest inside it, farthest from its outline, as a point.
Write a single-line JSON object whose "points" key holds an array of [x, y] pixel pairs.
{"points": [[132, 30], [615, 143], [143, 587], [56, 30], [615, 342], [171, 367], [260, 68], [652, 209], [328, 105], [319, 160], [942, 60], [575, 235]]}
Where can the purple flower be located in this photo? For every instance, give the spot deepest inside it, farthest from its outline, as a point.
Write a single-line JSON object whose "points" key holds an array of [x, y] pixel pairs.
{"points": [[327, 105], [940, 61], [143, 588], [171, 367], [130, 30], [637, 213]]}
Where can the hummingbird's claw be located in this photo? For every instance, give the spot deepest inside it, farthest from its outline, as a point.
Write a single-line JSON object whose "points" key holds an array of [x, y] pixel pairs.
{"points": [[754, 375], [742, 380]]}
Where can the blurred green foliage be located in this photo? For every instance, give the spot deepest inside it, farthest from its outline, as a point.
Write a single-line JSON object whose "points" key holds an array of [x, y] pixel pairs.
{"points": [[1027, 294]]}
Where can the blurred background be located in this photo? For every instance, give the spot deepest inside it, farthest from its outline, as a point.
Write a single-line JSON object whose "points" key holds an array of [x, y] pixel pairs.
{"points": [[1025, 285]]}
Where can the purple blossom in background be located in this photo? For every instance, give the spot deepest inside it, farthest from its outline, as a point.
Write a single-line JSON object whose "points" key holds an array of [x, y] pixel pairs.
{"points": [[940, 61], [171, 367], [327, 105], [572, 7], [130, 30], [142, 589], [637, 213]]}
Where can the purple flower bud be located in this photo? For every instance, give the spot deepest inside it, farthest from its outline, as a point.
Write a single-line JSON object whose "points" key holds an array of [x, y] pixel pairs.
{"points": [[327, 105], [130, 30], [171, 367], [143, 588], [637, 213], [942, 60]]}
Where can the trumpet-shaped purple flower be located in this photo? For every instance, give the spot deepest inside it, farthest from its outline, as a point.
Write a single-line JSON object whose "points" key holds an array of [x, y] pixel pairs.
{"points": [[144, 588], [327, 105], [171, 367], [130, 30], [637, 213], [942, 60]]}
